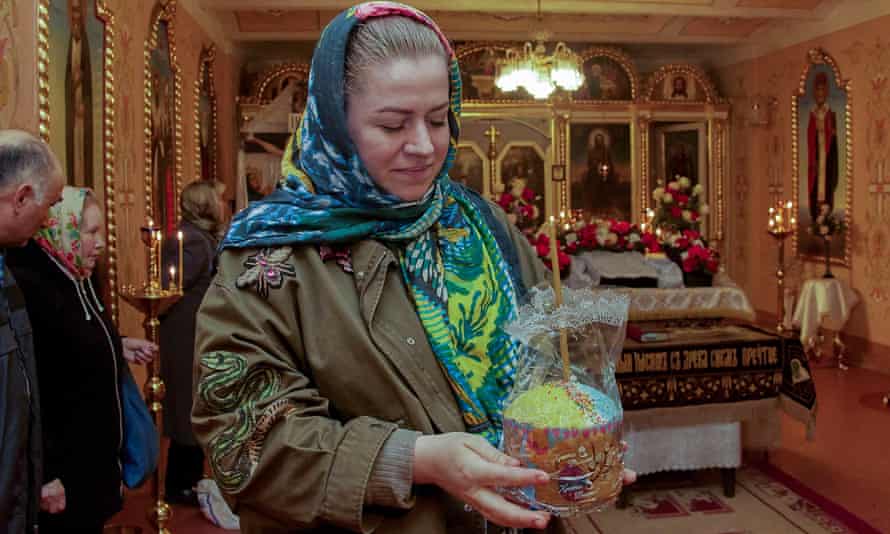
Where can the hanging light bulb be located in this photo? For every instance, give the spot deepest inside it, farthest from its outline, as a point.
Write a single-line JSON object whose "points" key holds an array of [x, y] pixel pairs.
{"points": [[538, 73], [564, 71]]}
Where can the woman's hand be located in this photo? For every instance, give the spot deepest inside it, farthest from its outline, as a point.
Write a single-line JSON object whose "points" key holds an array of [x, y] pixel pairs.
{"points": [[52, 497], [469, 468], [139, 351]]}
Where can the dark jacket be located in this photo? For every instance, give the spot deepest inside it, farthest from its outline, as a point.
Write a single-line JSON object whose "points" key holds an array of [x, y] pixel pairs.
{"points": [[79, 365], [177, 333], [20, 445]]}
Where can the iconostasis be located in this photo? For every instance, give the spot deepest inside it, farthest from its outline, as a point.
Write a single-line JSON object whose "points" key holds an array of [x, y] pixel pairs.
{"points": [[601, 149]]}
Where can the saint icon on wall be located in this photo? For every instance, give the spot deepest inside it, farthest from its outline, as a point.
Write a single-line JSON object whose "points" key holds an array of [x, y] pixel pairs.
{"points": [[601, 169]]}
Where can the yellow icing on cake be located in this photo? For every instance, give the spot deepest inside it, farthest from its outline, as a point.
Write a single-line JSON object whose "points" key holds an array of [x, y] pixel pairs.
{"points": [[552, 406]]}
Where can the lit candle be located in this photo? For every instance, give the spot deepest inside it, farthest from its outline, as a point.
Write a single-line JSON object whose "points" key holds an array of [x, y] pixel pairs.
{"points": [[771, 222], [643, 227], [562, 215], [658, 232], [179, 236], [171, 283]]}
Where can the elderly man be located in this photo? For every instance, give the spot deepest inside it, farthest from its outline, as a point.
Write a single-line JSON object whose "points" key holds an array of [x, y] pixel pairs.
{"points": [[30, 182]]}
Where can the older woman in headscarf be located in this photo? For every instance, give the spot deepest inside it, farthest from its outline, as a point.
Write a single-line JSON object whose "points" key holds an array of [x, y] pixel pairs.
{"points": [[80, 361], [202, 222], [352, 359]]}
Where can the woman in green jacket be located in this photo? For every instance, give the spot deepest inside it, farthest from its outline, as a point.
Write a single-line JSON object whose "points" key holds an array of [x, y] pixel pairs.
{"points": [[352, 362]]}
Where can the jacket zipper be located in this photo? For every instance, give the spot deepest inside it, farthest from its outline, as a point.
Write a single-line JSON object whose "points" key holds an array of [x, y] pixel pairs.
{"points": [[117, 393]]}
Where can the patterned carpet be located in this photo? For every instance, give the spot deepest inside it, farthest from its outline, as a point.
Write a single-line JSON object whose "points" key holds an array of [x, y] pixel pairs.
{"points": [[766, 502]]}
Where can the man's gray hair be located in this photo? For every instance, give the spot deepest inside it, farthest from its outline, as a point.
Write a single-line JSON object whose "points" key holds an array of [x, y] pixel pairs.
{"points": [[24, 158]]}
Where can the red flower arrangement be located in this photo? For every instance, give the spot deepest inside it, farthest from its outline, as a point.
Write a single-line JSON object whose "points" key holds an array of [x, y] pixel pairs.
{"points": [[679, 205], [687, 248], [519, 203], [541, 242], [612, 235], [691, 252]]}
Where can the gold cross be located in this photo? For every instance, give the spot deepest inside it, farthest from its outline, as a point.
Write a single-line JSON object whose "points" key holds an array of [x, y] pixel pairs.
{"points": [[492, 134]]}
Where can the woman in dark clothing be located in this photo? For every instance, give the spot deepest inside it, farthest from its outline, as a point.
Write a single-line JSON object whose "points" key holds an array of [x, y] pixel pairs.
{"points": [[80, 358], [202, 221]]}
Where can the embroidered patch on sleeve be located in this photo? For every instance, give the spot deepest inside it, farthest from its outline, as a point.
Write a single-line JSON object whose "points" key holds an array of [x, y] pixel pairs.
{"points": [[266, 270], [230, 386]]}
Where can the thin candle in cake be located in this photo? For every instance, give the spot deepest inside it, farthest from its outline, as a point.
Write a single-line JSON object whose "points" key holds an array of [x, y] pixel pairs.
{"points": [[557, 300]]}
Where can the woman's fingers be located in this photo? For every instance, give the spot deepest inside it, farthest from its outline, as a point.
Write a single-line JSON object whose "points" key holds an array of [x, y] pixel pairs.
{"points": [[486, 473], [480, 446], [504, 513]]}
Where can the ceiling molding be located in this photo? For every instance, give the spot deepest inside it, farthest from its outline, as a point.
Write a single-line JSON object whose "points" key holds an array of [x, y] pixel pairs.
{"points": [[772, 38], [574, 37], [688, 8]]}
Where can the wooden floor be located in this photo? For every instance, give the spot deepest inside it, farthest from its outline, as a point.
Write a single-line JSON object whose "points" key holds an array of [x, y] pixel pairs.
{"points": [[847, 462]]}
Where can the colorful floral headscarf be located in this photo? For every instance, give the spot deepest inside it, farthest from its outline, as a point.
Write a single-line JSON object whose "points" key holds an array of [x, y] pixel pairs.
{"points": [[61, 236], [452, 262]]}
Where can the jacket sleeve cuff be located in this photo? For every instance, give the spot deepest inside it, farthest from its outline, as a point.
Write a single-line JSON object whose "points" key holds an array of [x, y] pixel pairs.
{"points": [[350, 473], [392, 479]]}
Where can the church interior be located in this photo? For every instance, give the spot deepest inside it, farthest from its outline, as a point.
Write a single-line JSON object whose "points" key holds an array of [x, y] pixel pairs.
{"points": [[722, 162]]}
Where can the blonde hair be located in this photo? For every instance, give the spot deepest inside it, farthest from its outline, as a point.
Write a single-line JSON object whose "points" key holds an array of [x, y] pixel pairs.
{"points": [[381, 39], [200, 204]]}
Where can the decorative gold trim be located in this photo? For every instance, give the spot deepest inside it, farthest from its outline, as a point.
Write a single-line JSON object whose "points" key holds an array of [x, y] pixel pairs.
{"points": [[43, 69], [619, 56], [645, 189], [106, 17], [720, 144], [301, 70], [711, 96], [563, 129], [817, 56], [105, 14], [164, 11], [205, 65]]}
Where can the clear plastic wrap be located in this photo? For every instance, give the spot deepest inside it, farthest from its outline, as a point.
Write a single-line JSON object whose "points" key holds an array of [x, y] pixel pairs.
{"points": [[567, 420]]}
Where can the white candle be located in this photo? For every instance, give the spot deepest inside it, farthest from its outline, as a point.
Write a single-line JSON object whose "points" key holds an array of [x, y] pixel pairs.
{"points": [[179, 236], [171, 283], [158, 244]]}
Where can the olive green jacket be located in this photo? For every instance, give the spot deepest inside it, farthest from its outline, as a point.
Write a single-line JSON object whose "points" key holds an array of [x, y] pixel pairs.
{"points": [[303, 373]]}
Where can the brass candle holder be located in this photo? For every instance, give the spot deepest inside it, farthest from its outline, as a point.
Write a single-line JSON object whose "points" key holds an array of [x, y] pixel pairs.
{"points": [[780, 227], [151, 300]]}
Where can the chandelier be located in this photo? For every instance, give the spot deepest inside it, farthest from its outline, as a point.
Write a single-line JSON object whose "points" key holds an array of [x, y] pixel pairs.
{"points": [[538, 73]]}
